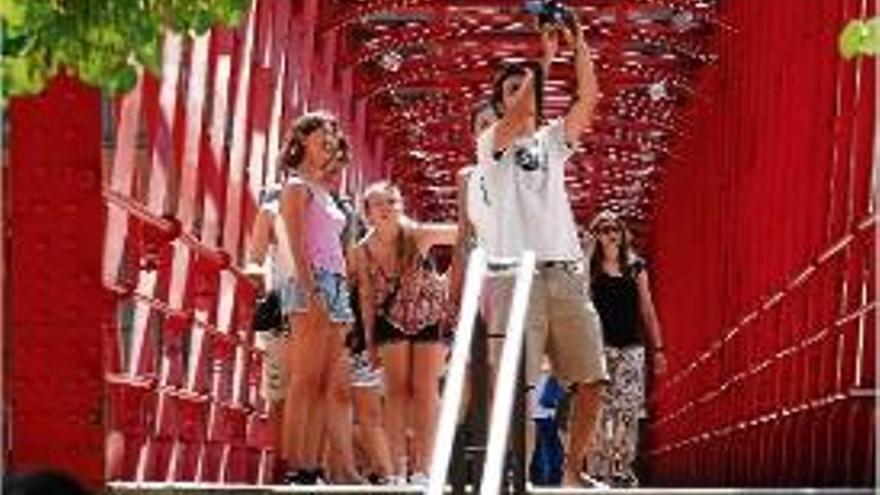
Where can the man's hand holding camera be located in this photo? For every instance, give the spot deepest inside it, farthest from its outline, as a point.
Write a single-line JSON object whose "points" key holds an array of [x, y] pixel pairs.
{"points": [[555, 21]]}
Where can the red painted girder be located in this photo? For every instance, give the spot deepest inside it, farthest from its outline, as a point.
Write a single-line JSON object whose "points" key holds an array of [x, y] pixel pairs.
{"points": [[215, 159], [429, 76], [493, 45], [392, 41], [456, 34], [335, 18], [417, 75], [484, 60], [393, 120], [518, 4], [54, 333], [439, 135], [434, 126]]}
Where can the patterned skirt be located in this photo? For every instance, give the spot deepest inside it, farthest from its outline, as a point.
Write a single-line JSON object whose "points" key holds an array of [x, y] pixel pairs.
{"points": [[623, 404], [626, 392]]}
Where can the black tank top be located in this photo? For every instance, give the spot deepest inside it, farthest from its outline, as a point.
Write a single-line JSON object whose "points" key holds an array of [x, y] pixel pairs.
{"points": [[617, 301]]}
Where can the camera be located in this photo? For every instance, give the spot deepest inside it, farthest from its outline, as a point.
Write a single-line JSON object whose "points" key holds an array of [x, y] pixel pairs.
{"points": [[551, 12]]}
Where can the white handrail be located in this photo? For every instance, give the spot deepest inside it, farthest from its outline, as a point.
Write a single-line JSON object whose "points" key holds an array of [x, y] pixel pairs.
{"points": [[506, 378], [454, 383]]}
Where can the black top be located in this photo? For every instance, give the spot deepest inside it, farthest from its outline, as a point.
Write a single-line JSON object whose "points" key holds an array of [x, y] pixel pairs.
{"points": [[617, 301]]}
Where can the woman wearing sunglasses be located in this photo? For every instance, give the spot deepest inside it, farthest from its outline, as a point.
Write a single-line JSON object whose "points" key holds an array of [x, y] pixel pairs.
{"points": [[622, 295]]}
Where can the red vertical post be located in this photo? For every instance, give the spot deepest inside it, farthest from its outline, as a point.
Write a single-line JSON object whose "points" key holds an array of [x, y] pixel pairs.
{"points": [[56, 374]]}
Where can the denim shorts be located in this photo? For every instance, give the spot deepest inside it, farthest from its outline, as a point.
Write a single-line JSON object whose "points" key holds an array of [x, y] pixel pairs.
{"points": [[287, 290], [333, 290]]}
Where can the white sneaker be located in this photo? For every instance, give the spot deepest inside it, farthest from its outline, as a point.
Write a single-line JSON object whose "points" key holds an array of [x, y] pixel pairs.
{"points": [[397, 480], [419, 479], [589, 482]]}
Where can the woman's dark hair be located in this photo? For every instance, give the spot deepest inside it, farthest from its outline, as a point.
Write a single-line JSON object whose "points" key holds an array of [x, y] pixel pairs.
{"points": [[293, 150], [507, 70], [626, 257]]}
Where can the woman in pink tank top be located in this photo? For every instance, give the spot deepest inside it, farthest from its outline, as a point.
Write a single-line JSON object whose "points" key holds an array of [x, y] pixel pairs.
{"points": [[313, 154]]}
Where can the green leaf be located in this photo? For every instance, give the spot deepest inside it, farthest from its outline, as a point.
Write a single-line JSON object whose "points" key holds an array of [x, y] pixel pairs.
{"points": [[23, 75], [15, 44], [233, 19], [871, 42], [12, 11], [231, 12], [202, 22], [123, 81], [103, 42], [150, 56], [850, 41]]}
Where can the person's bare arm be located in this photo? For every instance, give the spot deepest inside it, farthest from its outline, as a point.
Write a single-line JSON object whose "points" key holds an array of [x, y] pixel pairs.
{"points": [[652, 323], [358, 266], [465, 230], [587, 88], [261, 236], [429, 235]]}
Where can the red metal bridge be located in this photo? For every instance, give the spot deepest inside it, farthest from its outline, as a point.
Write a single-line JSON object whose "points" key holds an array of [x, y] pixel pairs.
{"points": [[730, 134]]}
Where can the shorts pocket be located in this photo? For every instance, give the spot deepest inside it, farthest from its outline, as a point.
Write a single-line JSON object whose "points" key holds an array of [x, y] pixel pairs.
{"points": [[572, 285]]}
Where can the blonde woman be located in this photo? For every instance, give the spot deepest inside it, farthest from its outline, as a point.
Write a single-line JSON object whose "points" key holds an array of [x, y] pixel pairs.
{"points": [[403, 305]]}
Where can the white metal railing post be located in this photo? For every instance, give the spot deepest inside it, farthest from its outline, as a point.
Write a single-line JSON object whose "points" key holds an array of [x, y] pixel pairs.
{"points": [[506, 378], [454, 383]]}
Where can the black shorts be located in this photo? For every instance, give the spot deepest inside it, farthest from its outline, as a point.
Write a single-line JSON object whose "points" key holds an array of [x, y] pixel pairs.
{"points": [[388, 333]]}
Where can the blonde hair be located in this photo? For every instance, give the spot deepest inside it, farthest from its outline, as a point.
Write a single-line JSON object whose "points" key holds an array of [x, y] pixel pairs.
{"points": [[407, 247]]}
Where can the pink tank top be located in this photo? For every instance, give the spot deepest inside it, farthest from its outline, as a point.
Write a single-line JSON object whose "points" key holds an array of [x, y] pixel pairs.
{"points": [[324, 224]]}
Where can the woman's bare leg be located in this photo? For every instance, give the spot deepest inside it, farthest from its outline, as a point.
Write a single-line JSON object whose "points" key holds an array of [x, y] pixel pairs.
{"points": [[396, 361], [368, 407], [340, 427], [306, 358], [425, 374]]}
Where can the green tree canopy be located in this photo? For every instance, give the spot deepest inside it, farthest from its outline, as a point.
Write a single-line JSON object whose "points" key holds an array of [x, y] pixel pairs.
{"points": [[103, 42]]}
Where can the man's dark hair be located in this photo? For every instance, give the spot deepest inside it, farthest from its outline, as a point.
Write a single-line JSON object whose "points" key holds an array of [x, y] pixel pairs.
{"points": [[505, 71]]}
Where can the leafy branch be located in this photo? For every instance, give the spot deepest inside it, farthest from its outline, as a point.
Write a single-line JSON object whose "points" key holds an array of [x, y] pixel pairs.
{"points": [[103, 42], [860, 37]]}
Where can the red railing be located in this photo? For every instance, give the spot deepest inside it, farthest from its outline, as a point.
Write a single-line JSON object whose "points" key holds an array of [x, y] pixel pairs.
{"points": [[764, 238], [177, 395], [129, 316], [214, 122]]}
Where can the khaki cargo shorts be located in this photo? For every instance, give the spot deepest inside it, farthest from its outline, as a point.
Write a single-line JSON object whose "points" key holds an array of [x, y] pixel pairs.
{"points": [[561, 322]]}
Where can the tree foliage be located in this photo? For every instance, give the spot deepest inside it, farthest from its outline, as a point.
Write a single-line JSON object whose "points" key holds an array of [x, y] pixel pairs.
{"points": [[103, 42], [860, 37]]}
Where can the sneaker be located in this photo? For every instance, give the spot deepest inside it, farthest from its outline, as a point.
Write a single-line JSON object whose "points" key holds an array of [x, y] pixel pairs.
{"points": [[396, 480], [624, 481], [419, 479], [376, 479], [588, 481], [318, 477], [297, 477]]}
